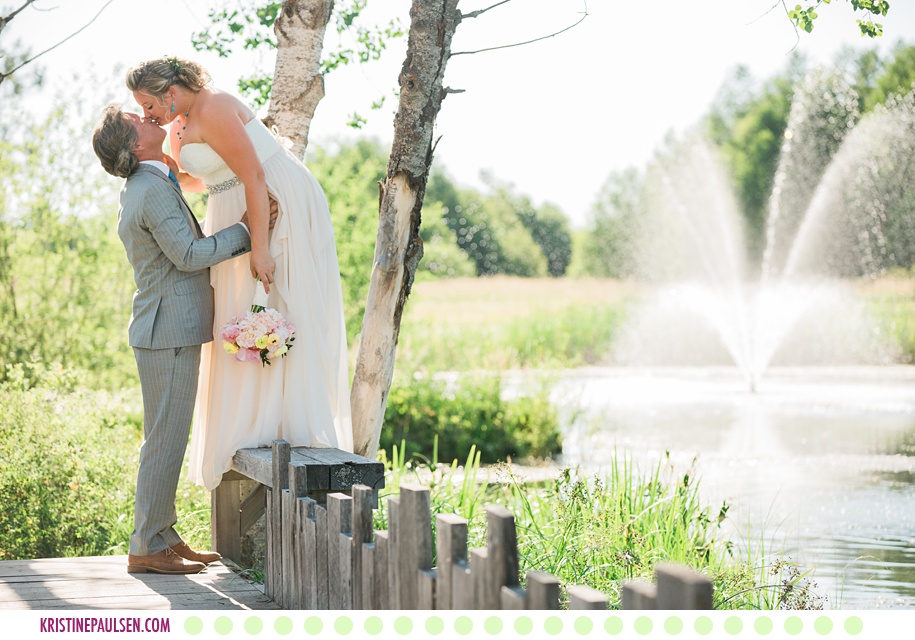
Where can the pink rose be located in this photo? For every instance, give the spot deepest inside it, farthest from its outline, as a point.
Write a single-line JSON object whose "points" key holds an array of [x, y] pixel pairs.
{"points": [[229, 332]]}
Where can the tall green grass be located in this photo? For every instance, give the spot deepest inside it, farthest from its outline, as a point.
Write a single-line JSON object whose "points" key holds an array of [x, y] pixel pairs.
{"points": [[601, 531]]}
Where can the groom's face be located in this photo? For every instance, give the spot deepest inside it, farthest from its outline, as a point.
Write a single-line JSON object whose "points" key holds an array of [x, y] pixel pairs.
{"points": [[150, 136]]}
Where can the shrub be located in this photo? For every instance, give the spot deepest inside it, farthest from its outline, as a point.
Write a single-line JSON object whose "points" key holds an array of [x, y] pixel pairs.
{"points": [[470, 411]]}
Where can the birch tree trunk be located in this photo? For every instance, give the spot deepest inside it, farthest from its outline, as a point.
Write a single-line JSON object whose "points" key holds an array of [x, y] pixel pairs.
{"points": [[298, 85], [398, 247]]}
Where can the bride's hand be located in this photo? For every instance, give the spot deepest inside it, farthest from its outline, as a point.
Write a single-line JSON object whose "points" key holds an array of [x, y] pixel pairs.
{"points": [[263, 265]]}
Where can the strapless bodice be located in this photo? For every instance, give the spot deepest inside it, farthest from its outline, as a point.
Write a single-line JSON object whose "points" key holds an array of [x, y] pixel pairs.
{"points": [[199, 159]]}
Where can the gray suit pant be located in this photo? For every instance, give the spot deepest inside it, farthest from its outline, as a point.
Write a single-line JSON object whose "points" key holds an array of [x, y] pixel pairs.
{"points": [[168, 379]]}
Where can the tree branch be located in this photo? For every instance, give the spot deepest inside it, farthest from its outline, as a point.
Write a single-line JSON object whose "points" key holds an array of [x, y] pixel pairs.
{"points": [[518, 44], [5, 20], [4, 76], [478, 12]]}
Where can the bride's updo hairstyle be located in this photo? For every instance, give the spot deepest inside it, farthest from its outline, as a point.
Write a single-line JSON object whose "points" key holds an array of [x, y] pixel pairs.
{"points": [[156, 76]]}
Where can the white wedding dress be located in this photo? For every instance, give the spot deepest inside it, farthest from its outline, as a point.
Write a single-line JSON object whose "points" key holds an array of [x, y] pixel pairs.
{"points": [[304, 397]]}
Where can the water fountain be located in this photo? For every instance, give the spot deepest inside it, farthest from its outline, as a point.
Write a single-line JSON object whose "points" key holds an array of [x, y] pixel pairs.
{"points": [[775, 375]]}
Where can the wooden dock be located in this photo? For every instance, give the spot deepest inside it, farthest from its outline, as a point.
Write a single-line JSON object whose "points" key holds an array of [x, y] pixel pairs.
{"points": [[102, 582]]}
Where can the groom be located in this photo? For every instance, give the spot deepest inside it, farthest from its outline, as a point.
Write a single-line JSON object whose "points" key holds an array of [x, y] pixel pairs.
{"points": [[172, 317]]}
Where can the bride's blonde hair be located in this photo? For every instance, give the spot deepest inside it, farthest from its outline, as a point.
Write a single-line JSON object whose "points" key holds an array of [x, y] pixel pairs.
{"points": [[156, 76]]}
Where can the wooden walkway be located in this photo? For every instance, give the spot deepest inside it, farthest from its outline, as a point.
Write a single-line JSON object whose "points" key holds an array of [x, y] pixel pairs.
{"points": [[102, 582]]}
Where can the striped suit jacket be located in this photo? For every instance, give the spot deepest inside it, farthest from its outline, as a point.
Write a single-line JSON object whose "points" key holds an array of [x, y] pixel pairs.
{"points": [[173, 304]]}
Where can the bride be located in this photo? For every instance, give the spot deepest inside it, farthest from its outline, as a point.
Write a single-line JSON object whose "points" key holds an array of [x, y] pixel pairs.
{"points": [[219, 145]]}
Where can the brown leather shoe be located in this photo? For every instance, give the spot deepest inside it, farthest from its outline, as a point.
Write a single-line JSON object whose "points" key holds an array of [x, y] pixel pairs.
{"points": [[206, 557], [166, 561]]}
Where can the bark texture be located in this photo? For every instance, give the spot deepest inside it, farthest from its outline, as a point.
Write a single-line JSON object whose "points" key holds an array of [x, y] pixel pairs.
{"points": [[398, 247], [298, 85]]}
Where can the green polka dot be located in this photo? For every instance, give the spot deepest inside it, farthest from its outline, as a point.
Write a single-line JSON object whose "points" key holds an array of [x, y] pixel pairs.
{"points": [[193, 625], [313, 625], [524, 625], [854, 625], [435, 625], [613, 625], [283, 625], [793, 625], [733, 625], [493, 625], [343, 625], [552, 625], [223, 625], [463, 625], [403, 625], [373, 625], [703, 625], [823, 625], [763, 625], [673, 625], [642, 625], [254, 625], [583, 625]]}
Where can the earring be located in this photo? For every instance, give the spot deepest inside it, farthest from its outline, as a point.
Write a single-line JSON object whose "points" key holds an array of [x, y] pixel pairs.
{"points": [[173, 107]]}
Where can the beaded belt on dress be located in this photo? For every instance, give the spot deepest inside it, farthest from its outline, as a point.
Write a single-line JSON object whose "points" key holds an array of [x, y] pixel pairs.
{"points": [[223, 186]]}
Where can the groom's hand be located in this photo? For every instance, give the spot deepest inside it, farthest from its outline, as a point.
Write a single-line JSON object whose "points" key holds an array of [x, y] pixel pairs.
{"points": [[274, 212]]}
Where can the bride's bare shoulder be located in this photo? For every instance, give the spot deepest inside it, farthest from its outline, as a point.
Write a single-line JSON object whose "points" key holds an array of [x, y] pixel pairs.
{"points": [[218, 104]]}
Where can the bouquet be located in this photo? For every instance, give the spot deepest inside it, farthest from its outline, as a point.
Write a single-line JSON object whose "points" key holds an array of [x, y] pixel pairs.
{"points": [[261, 335]]}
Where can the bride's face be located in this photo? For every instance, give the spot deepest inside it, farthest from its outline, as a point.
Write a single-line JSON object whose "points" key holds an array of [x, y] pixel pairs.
{"points": [[156, 109]]}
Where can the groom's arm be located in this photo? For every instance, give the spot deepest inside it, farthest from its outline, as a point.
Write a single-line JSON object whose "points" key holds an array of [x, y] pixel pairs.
{"points": [[168, 221]]}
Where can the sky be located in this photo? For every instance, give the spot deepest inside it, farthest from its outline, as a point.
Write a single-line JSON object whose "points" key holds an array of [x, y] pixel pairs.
{"points": [[553, 119]]}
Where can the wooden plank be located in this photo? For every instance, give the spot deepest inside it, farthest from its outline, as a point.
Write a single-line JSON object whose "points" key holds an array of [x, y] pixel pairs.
{"points": [[328, 469], [462, 595], [451, 548], [362, 533], [480, 573], [382, 557], [280, 459], [502, 563], [321, 592], [225, 519], [426, 590], [256, 464], [346, 572], [102, 582], [271, 541], [393, 569], [542, 591], [339, 520], [367, 582], [295, 581], [682, 588], [288, 545], [583, 597], [414, 541], [639, 595], [317, 471], [513, 598], [252, 508], [309, 553]]}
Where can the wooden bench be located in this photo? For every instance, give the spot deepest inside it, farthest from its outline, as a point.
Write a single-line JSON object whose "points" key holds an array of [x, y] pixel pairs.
{"points": [[318, 473]]}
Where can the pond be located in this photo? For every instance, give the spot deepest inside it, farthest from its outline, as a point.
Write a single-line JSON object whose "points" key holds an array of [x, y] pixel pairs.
{"points": [[818, 464]]}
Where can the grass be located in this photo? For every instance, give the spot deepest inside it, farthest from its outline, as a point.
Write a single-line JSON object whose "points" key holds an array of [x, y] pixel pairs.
{"points": [[603, 531]]}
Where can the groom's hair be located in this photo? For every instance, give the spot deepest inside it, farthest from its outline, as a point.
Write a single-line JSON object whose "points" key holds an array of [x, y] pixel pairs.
{"points": [[114, 140]]}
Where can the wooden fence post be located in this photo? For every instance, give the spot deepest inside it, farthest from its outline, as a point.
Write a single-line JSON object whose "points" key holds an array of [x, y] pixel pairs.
{"points": [[582, 597], [639, 595], [502, 562], [542, 591], [451, 550], [339, 559], [681, 588], [273, 570], [225, 519], [413, 541], [363, 499], [384, 599], [309, 578]]}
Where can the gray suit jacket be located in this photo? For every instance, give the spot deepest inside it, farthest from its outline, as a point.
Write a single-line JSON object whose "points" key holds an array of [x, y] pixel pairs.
{"points": [[173, 304]]}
